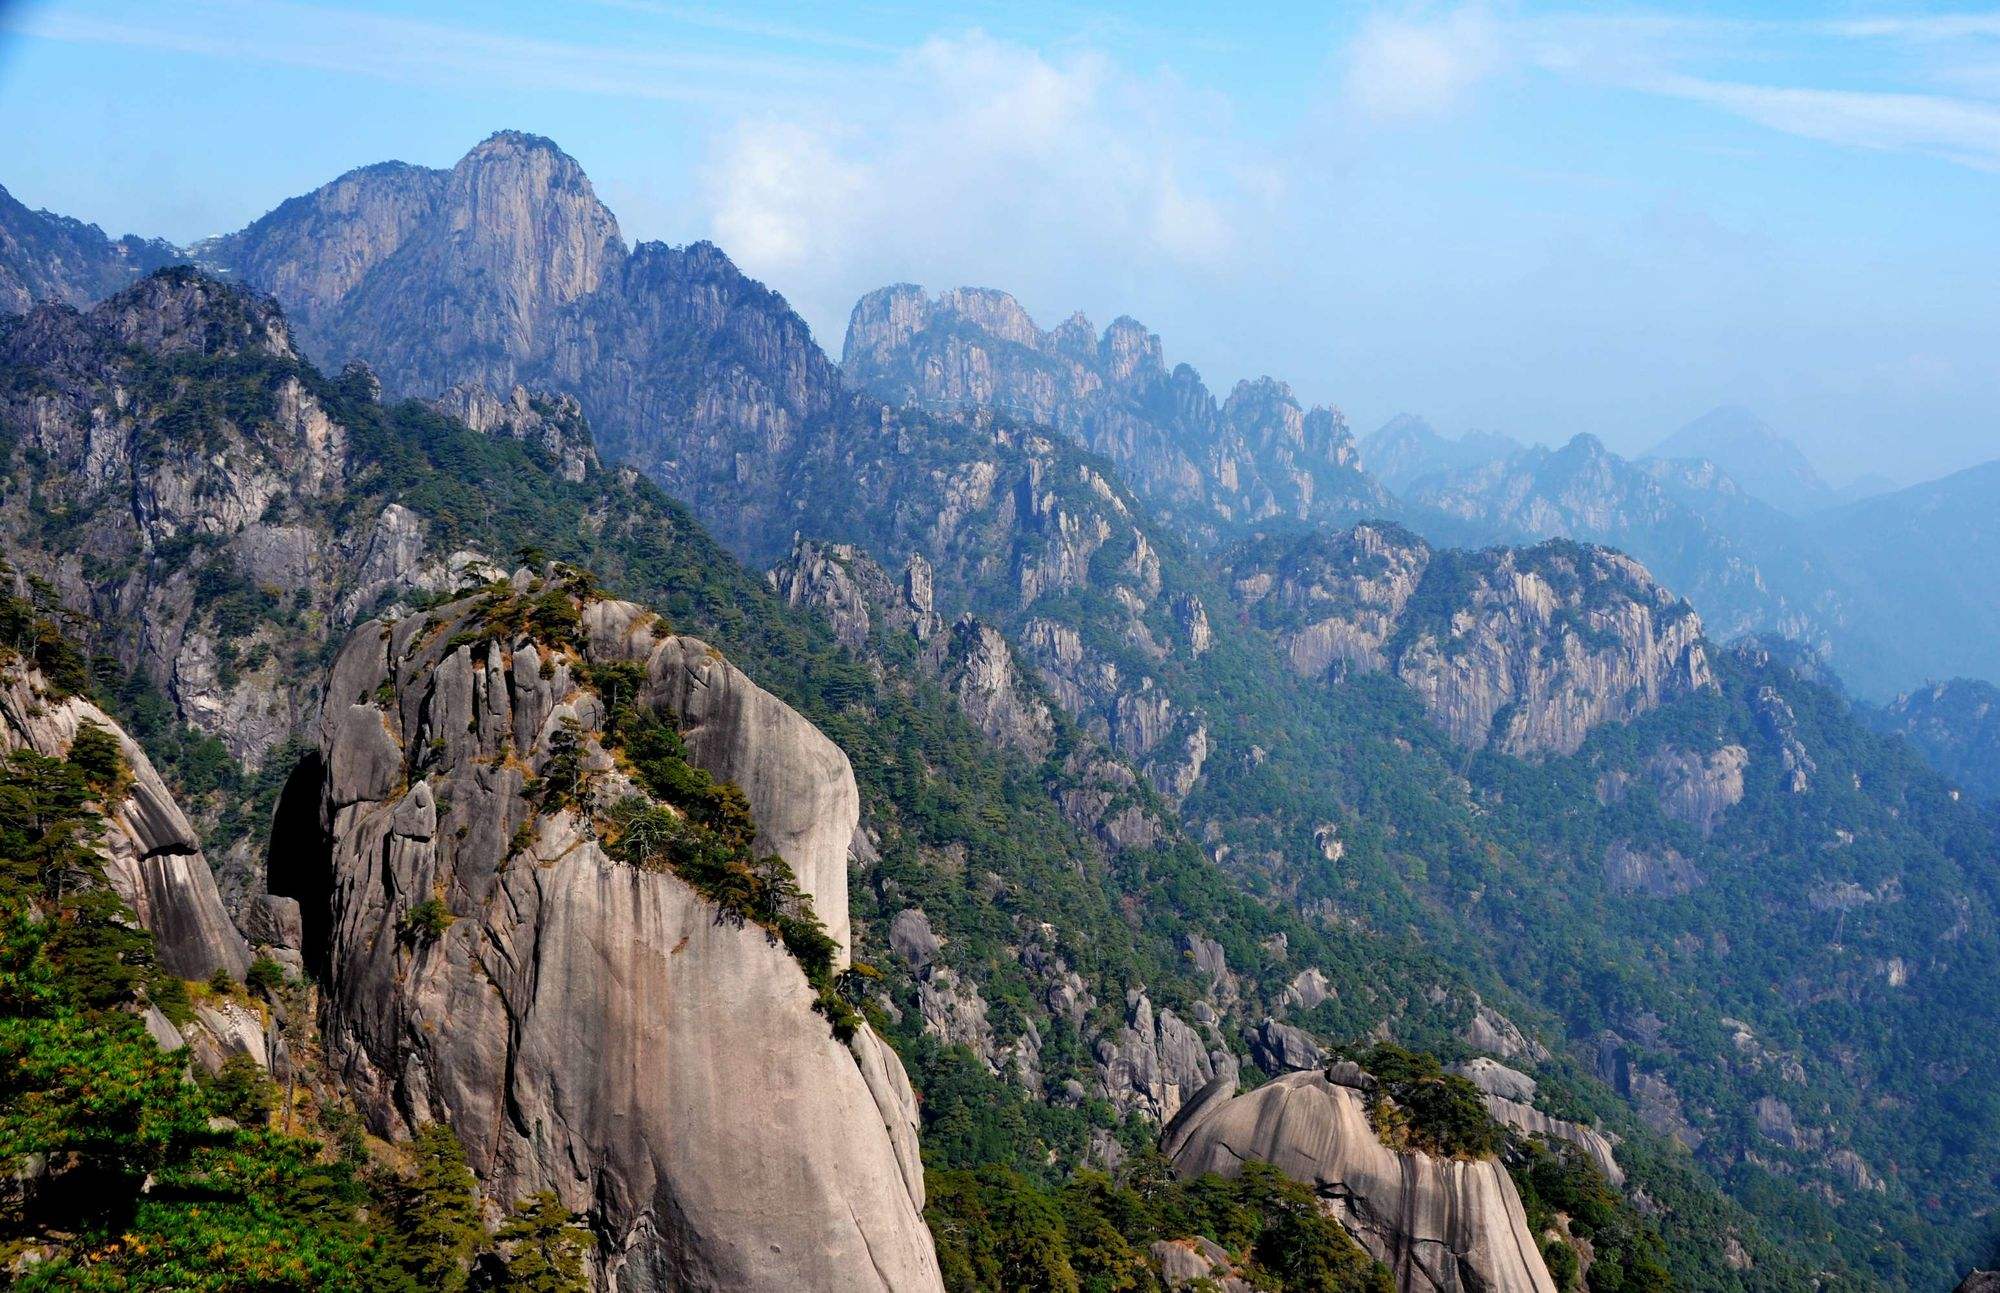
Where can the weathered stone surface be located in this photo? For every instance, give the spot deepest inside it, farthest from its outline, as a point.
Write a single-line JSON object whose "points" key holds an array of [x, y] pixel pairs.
{"points": [[152, 857], [1650, 873], [1334, 600], [978, 665], [1530, 1121], [1495, 1078], [552, 423], [1182, 1262], [800, 787], [1156, 1061], [1281, 1048], [1439, 1224], [1699, 789], [911, 938], [589, 1027], [1489, 1030], [1781, 726], [1525, 650]]}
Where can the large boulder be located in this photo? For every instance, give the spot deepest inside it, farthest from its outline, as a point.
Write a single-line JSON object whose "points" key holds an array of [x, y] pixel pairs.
{"points": [[1442, 1225]]}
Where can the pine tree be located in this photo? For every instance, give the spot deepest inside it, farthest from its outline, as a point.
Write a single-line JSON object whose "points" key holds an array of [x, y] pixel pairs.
{"points": [[437, 1211], [545, 1244]]}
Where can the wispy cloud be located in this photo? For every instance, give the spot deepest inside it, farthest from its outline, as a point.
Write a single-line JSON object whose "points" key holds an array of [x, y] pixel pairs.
{"points": [[419, 52], [1966, 131], [1432, 62], [736, 24]]}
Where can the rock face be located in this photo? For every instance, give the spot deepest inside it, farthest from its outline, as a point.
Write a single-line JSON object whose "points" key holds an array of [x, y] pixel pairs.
{"points": [[587, 1026], [1439, 1224], [1696, 788], [1256, 456], [554, 423], [152, 856], [1158, 1060], [1509, 1095], [1525, 650]]}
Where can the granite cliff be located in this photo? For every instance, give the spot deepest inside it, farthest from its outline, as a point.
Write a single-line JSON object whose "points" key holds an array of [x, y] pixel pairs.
{"points": [[152, 856], [587, 1019]]}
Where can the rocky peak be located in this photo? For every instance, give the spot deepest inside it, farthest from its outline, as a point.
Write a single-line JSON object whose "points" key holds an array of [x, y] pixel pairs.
{"points": [[972, 351], [312, 250], [183, 310], [1525, 649], [885, 320], [519, 207], [1131, 353], [992, 311]]}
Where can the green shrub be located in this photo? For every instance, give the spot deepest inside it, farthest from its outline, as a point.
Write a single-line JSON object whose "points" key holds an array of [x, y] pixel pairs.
{"points": [[426, 922], [241, 1091], [264, 974], [544, 1245], [1418, 1105], [169, 996], [97, 753]]}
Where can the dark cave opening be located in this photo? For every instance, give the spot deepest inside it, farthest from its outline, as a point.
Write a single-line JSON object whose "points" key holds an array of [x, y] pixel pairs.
{"points": [[299, 864]]}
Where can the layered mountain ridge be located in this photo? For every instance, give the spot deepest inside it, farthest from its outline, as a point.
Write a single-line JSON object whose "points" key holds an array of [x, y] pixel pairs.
{"points": [[1271, 878]]}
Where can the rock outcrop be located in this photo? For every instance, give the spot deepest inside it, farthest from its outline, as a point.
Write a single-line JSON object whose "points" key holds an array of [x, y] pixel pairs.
{"points": [[1691, 787], [1158, 1060], [1509, 1098], [552, 423], [1524, 650], [1438, 1224], [586, 1025], [153, 858]]}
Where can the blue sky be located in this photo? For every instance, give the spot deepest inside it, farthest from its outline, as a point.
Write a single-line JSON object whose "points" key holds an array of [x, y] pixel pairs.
{"points": [[1524, 218]]}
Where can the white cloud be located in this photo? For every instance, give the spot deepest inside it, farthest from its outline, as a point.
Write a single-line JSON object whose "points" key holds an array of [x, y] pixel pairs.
{"points": [[985, 161], [1424, 66], [780, 190]]}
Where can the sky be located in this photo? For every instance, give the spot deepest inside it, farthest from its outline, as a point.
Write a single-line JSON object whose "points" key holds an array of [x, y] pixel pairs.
{"points": [[1515, 217]]}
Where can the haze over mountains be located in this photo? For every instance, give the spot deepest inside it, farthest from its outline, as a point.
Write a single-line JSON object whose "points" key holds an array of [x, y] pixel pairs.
{"points": [[1136, 738]]}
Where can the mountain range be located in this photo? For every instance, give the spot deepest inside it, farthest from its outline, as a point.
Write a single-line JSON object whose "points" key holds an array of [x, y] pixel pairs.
{"points": [[1170, 749]]}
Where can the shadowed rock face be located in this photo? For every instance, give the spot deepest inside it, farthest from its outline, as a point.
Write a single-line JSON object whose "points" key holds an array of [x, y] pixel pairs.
{"points": [[1439, 1224], [587, 1026], [152, 856]]}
